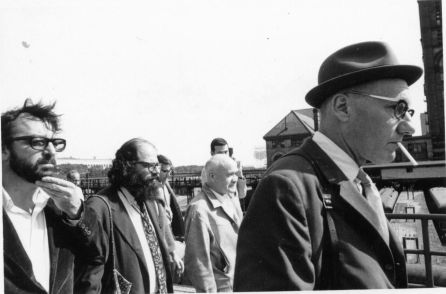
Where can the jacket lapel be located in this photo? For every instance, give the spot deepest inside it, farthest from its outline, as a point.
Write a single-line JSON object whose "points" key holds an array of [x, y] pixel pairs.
{"points": [[124, 225], [352, 196], [348, 191], [216, 204], [14, 252]]}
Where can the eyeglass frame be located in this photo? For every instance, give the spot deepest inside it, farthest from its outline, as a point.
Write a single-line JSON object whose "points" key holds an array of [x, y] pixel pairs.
{"points": [[30, 139], [151, 166], [399, 102]]}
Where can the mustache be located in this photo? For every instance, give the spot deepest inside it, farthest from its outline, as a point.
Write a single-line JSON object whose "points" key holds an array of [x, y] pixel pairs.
{"points": [[47, 161]]}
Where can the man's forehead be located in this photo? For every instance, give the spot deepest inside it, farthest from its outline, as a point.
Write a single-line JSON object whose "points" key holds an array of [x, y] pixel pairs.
{"points": [[26, 124], [146, 152]]}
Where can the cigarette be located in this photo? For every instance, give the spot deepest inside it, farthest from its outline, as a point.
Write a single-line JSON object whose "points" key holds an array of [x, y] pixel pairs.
{"points": [[411, 159]]}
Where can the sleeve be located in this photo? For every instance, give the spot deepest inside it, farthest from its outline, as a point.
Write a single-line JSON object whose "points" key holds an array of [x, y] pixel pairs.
{"points": [[274, 248], [92, 254], [197, 258]]}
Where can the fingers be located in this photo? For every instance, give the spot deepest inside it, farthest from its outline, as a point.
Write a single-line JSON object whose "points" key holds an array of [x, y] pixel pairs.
{"points": [[57, 181]]}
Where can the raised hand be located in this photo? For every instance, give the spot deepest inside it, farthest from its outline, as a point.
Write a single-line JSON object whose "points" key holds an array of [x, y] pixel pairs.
{"points": [[66, 195]]}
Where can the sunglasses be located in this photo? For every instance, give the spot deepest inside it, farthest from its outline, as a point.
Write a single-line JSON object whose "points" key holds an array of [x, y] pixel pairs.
{"points": [[151, 166], [41, 143], [400, 109]]}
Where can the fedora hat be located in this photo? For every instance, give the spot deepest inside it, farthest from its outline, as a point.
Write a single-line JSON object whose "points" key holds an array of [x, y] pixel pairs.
{"points": [[357, 64]]}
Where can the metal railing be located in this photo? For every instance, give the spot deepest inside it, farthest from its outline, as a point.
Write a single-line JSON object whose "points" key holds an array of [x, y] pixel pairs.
{"points": [[426, 251]]}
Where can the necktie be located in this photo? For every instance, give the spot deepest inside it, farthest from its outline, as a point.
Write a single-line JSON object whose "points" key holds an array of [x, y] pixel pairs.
{"points": [[154, 248], [374, 200]]}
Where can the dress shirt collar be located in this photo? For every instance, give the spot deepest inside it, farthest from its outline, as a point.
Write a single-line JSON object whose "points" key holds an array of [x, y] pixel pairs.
{"points": [[40, 199], [345, 163]]}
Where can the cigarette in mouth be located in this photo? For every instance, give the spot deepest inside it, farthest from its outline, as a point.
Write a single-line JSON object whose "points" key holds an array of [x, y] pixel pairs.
{"points": [[411, 159]]}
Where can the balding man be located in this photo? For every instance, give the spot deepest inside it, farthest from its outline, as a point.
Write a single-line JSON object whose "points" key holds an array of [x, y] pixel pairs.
{"points": [[212, 223], [316, 219], [141, 254]]}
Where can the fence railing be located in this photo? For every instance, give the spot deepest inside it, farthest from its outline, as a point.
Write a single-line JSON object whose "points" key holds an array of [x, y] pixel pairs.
{"points": [[426, 249]]}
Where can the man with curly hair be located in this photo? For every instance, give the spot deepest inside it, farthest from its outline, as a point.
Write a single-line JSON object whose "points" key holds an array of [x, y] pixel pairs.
{"points": [[141, 253], [40, 212]]}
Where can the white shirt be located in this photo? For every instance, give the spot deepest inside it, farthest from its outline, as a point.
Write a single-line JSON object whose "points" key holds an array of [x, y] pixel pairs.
{"points": [[345, 163], [33, 233], [129, 203]]}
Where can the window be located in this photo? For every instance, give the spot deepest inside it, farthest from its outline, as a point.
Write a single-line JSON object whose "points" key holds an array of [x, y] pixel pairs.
{"points": [[411, 243]]}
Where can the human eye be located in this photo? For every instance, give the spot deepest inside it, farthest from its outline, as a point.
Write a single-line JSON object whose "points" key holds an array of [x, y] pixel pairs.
{"points": [[38, 142]]}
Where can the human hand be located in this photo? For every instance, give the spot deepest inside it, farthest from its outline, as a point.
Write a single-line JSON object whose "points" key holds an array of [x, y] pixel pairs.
{"points": [[177, 263], [66, 195]]}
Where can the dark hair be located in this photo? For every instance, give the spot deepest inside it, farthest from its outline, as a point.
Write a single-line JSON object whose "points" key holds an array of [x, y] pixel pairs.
{"points": [[71, 173], [122, 163], [218, 142], [164, 160], [40, 111]]}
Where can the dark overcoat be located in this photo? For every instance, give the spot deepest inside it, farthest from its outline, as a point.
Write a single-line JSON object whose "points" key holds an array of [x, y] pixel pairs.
{"points": [[284, 243]]}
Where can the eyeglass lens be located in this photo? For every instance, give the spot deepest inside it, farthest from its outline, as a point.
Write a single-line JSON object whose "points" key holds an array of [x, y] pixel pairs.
{"points": [[42, 143], [401, 108]]}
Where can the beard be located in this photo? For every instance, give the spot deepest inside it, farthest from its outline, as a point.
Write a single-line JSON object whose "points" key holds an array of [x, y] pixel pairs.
{"points": [[143, 186], [29, 171]]}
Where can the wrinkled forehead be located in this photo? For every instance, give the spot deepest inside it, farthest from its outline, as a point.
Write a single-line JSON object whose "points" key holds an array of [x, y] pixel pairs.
{"points": [[26, 124]]}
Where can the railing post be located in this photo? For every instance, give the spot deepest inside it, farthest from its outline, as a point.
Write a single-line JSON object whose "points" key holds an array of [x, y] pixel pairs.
{"points": [[427, 254]]}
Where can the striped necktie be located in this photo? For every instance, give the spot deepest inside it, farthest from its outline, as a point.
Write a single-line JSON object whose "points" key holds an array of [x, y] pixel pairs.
{"points": [[152, 240], [374, 200]]}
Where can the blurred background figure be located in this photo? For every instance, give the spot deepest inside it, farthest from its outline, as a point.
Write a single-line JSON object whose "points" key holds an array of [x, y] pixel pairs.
{"points": [[173, 211], [74, 177]]}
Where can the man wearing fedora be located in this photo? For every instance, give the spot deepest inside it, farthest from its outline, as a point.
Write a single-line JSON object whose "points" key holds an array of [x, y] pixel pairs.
{"points": [[308, 226]]}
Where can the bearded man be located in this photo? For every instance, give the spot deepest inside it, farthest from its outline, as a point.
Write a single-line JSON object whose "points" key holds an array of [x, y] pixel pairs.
{"points": [[141, 254], [40, 212]]}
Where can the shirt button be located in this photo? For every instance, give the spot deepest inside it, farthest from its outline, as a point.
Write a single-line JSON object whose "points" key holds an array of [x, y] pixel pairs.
{"points": [[398, 264], [388, 267]]}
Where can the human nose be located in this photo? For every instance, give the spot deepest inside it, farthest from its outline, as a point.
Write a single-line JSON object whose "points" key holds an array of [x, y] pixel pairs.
{"points": [[405, 126], [49, 149]]}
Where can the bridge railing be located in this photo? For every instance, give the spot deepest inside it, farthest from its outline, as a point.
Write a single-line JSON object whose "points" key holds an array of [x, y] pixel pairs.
{"points": [[415, 275]]}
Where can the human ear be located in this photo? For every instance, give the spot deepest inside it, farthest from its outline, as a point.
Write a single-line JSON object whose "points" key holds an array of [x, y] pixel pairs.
{"points": [[341, 107], [5, 153]]}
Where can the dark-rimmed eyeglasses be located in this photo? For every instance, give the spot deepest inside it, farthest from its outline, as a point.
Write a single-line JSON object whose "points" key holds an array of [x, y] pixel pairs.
{"points": [[151, 166], [400, 109], [41, 143]]}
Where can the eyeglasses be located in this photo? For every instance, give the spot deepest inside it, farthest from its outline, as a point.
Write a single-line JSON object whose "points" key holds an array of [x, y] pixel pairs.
{"points": [[151, 166], [166, 170], [400, 109], [41, 143]]}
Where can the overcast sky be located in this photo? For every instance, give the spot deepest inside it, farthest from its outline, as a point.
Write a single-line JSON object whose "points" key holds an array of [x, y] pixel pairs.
{"points": [[180, 73]]}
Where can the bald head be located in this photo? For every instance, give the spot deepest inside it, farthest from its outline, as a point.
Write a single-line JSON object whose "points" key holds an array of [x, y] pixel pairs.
{"points": [[221, 173]]}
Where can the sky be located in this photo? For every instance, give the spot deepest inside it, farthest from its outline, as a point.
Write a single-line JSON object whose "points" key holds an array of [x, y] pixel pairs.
{"points": [[180, 73]]}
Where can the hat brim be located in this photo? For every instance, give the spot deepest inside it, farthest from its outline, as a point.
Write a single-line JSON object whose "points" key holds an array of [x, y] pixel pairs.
{"points": [[317, 95]]}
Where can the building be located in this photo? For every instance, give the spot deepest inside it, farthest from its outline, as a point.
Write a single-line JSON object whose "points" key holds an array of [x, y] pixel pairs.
{"points": [[289, 133], [432, 44]]}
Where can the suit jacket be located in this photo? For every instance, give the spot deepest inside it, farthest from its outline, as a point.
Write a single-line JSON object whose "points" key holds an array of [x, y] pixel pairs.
{"points": [[211, 237], [177, 216], [284, 242], [18, 272], [94, 268]]}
